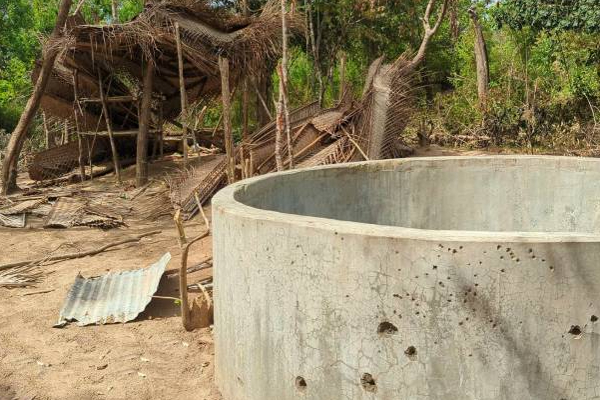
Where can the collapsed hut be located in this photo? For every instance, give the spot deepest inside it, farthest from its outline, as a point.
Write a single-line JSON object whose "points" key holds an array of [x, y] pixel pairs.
{"points": [[120, 84]]}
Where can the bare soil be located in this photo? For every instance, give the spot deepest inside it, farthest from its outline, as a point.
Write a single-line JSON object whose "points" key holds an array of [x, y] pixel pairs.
{"points": [[152, 357]]}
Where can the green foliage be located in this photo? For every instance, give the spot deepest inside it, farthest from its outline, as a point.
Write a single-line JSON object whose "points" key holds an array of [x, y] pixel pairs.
{"points": [[577, 15]]}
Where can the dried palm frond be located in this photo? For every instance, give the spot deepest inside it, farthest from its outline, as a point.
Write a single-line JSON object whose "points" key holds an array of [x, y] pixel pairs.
{"points": [[21, 276], [386, 107]]}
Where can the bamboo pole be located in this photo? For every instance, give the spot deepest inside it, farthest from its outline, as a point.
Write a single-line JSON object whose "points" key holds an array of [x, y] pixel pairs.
{"points": [[183, 94], [46, 131], [161, 144], [226, 98], [113, 146], [141, 169], [246, 87], [76, 115]]}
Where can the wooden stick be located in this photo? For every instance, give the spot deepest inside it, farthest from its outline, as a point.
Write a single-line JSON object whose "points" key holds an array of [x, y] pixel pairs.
{"points": [[185, 309], [201, 210], [262, 101], [76, 110], [183, 94], [38, 292], [113, 147], [80, 254], [179, 224], [356, 145], [226, 98], [46, 131]]}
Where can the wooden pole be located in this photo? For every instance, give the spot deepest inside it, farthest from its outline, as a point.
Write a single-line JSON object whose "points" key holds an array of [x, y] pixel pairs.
{"points": [[183, 95], [46, 131], [342, 75], [161, 144], [246, 87], [77, 128], [226, 98], [17, 139], [65, 135], [113, 147], [141, 169]]}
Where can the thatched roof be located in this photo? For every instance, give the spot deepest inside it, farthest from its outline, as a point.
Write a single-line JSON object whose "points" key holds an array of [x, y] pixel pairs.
{"points": [[120, 52]]}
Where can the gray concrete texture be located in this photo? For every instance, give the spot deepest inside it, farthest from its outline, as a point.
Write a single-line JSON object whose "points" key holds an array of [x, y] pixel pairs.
{"points": [[435, 278]]}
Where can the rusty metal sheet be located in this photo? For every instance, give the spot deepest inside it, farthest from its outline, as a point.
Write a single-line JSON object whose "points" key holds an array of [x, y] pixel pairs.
{"points": [[111, 298]]}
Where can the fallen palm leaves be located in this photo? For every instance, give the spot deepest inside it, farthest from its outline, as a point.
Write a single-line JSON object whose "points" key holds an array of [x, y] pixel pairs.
{"points": [[26, 275]]}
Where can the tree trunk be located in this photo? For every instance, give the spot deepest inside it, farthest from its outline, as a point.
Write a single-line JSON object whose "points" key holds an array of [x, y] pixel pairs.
{"points": [[115, 12], [17, 139], [141, 172], [481, 59], [315, 51]]}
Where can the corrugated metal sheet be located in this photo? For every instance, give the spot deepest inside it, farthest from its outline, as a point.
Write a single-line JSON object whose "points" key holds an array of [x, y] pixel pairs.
{"points": [[111, 298]]}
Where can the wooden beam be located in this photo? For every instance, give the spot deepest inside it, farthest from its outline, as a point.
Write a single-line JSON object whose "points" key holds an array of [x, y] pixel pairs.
{"points": [[110, 99], [226, 98], [141, 171], [113, 147], [183, 94]]}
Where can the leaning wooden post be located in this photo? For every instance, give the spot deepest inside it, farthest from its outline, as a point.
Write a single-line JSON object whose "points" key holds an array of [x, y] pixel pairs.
{"points": [[183, 94], [77, 128], [113, 147], [226, 98], [141, 169]]}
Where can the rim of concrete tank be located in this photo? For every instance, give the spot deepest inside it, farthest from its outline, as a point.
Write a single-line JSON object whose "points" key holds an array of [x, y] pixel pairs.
{"points": [[224, 201]]}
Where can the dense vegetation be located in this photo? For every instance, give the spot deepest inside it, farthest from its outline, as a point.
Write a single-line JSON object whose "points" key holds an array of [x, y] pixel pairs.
{"points": [[544, 63]]}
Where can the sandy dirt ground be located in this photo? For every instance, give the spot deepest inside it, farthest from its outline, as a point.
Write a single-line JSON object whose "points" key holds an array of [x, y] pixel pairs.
{"points": [[152, 357]]}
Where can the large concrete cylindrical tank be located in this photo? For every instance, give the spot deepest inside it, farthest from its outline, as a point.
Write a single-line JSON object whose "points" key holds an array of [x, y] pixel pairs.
{"points": [[419, 279]]}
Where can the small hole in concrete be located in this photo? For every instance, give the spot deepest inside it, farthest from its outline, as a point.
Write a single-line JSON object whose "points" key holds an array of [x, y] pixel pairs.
{"points": [[411, 351], [300, 383], [551, 268], [498, 247], [368, 383], [575, 330], [387, 328], [594, 318]]}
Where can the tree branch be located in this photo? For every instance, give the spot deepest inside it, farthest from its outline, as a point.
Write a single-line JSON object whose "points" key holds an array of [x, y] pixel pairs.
{"points": [[429, 32]]}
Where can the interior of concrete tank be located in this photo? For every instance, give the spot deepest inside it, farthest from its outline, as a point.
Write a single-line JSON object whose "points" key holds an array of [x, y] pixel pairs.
{"points": [[503, 194]]}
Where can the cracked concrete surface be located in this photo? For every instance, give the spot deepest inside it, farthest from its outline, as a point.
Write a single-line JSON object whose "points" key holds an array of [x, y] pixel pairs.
{"points": [[439, 278]]}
